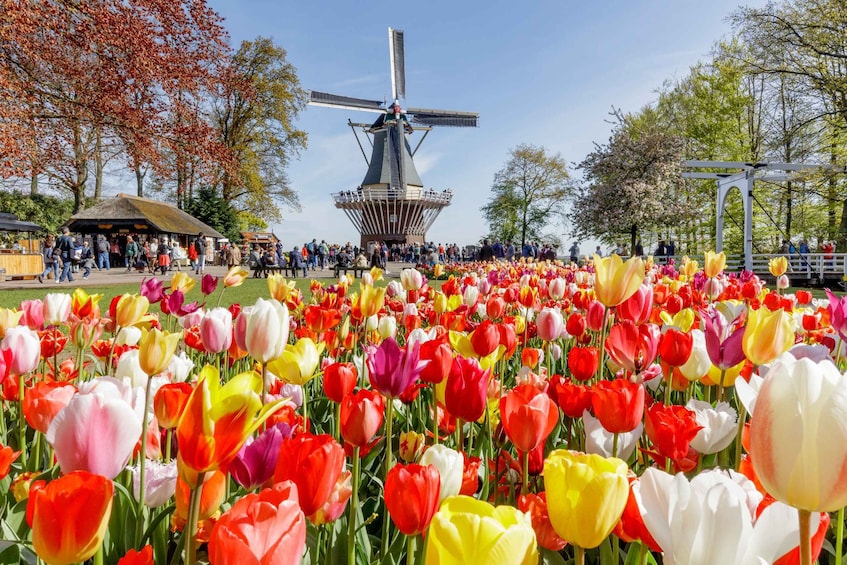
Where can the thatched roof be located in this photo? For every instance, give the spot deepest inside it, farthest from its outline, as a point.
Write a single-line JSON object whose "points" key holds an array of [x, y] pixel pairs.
{"points": [[138, 215]]}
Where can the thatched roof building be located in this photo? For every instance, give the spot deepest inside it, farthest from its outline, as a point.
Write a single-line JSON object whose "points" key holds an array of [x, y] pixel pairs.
{"points": [[132, 214]]}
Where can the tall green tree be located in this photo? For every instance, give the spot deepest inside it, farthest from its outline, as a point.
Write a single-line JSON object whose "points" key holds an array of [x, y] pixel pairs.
{"points": [[528, 195], [213, 210], [254, 114]]}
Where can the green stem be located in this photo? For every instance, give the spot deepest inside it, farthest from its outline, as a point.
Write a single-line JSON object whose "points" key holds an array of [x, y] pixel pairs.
{"points": [[642, 554], [459, 441], [98, 557], [264, 382], [168, 440], [669, 385], [21, 421], [142, 464], [579, 555], [742, 416], [354, 509], [839, 537], [389, 461], [410, 550], [190, 531], [305, 388], [805, 539], [603, 345], [525, 473], [434, 416], [615, 444], [111, 351]]}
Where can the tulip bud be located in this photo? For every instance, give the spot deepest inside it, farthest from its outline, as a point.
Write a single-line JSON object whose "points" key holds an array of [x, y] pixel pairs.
{"points": [[595, 316], [387, 327]]}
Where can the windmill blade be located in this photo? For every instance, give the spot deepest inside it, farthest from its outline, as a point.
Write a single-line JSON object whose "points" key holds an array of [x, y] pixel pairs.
{"points": [[398, 64], [449, 118], [347, 102]]}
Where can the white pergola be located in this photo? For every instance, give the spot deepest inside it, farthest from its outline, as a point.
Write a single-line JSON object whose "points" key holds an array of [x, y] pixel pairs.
{"points": [[742, 175]]}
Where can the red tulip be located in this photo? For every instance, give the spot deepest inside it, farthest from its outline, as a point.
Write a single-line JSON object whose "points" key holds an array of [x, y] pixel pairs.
{"points": [[508, 339], [583, 362], [314, 463], [69, 516], [267, 527], [143, 557], [440, 356], [7, 457], [631, 526], [618, 404], [576, 325], [470, 474], [169, 402], [411, 496], [495, 308], [485, 339], [362, 413], [633, 347], [528, 416], [536, 506], [572, 399], [675, 347], [467, 385], [671, 428], [320, 319], [212, 493], [339, 380]]}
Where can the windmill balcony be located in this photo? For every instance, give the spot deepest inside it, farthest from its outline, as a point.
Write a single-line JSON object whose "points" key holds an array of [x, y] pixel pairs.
{"points": [[422, 195]]}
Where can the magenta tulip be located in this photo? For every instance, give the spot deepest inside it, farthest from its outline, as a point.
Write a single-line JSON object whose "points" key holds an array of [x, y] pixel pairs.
{"points": [[722, 343], [837, 313], [208, 284], [391, 370], [152, 290], [216, 330], [25, 347], [256, 460]]}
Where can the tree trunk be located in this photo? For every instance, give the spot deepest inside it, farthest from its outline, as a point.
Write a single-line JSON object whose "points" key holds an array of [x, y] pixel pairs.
{"points": [[81, 166], [33, 184], [523, 226], [633, 233], [98, 167], [139, 180]]}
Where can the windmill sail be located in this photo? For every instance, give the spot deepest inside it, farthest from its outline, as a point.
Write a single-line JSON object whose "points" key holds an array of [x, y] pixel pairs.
{"points": [[398, 64]]}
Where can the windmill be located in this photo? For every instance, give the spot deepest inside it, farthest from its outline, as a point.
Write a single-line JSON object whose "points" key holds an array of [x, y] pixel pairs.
{"points": [[391, 204]]}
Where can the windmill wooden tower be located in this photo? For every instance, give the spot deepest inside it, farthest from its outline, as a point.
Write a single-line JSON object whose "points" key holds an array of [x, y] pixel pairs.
{"points": [[391, 204]]}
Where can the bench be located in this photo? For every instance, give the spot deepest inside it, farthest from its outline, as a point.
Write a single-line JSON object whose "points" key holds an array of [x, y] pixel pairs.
{"points": [[263, 270], [357, 271]]}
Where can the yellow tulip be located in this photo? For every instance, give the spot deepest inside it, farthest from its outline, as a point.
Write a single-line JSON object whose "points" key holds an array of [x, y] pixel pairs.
{"points": [[371, 300], [614, 280], [767, 335], [469, 531], [376, 273], [438, 270], [155, 350], [713, 377], [299, 362], [689, 267], [682, 320], [778, 265], [586, 495], [714, 263], [9, 319], [235, 276], [85, 305], [280, 288], [182, 282], [439, 303], [131, 310]]}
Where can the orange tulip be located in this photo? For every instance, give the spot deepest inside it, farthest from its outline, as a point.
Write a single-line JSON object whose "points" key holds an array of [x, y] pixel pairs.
{"points": [[218, 419], [133, 557], [320, 319], [614, 280], [69, 517], [211, 497], [169, 402], [7, 457], [43, 401], [84, 305], [267, 527]]}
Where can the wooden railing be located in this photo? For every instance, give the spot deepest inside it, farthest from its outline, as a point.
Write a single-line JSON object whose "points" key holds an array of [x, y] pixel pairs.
{"points": [[800, 266]]}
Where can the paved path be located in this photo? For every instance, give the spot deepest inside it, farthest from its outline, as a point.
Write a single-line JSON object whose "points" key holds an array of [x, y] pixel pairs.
{"points": [[121, 276]]}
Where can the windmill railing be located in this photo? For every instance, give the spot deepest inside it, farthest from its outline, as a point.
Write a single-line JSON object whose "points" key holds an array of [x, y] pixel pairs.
{"points": [[364, 194]]}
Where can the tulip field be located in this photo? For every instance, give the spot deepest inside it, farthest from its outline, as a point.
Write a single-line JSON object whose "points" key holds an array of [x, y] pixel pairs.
{"points": [[614, 413]]}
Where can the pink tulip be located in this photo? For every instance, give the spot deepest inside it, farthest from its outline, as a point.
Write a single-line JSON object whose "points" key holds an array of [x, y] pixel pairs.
{"points": [[33, 314], [556, 288], [390, 369], [411, 279], [595, 315], [638, 306], [216, 330], [550, 324], [56, 308], [722, 343], [97, 431], [25, 347], [152, 290], [837, 313], [208, 284]]}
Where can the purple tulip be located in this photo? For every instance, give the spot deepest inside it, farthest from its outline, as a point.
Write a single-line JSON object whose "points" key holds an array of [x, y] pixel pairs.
{"points": [[723, 347], [837, 309], [391, 369], [208, 284], [256, 460], [151, 289]]}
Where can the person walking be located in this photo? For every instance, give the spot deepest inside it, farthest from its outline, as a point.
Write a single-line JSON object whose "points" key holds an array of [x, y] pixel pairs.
{"points": [[130, 253], [200, 248], [86, 258], [103, 253], [50, 258], [65, 244]]}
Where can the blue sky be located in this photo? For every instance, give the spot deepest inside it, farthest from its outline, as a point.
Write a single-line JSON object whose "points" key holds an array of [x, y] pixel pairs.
{"points": [[545, 73]]}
